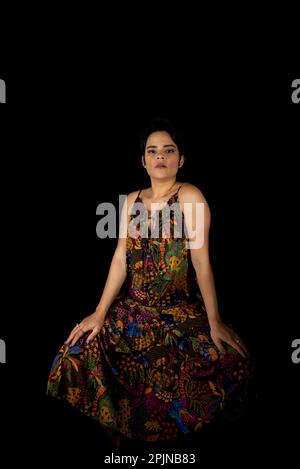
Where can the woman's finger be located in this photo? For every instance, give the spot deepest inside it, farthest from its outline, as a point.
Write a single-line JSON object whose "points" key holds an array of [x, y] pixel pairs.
{"points": [[241, 344], [72, 334], [236, 346], [92, 335], [76, 337], [69, 338], [233, 337], [75, 329], [219, 345]]}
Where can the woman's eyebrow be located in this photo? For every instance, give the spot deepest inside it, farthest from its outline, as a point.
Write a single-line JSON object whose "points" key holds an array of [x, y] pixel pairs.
{"points": [[165, 146]]}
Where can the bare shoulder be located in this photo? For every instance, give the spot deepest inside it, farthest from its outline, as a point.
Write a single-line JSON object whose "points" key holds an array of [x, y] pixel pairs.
{"points": [[126, 213], [132, 196], [130, 200], [191, 193]]}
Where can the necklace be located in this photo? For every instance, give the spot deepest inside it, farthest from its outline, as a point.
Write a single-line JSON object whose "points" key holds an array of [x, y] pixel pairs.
{"points": [[168, 190], [150, 216]]}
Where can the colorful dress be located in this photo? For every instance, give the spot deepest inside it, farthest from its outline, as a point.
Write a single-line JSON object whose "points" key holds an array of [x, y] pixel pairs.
{"points": [[153, 372]]}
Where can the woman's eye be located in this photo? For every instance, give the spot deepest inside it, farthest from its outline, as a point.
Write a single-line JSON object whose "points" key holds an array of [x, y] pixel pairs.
{"points": [[170, 150], [151, 152]]}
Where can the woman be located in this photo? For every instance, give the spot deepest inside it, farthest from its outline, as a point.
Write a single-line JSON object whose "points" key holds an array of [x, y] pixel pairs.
{"points": [[155, 362]]}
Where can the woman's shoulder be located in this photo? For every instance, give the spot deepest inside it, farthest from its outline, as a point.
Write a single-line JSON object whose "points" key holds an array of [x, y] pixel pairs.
{"points": [[189, 192], [186, 191], [132, 196], [181, 185]]}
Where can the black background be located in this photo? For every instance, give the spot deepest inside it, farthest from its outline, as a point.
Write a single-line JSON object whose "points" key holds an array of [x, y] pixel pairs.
{"points": [[70, 139]]}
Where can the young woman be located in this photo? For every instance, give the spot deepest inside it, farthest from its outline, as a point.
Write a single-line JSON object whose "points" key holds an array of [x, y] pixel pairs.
{"points": [[155, 362]]}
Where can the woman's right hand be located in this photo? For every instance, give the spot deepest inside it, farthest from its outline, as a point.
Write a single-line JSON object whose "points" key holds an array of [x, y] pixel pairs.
{"points": [[93, 322]]}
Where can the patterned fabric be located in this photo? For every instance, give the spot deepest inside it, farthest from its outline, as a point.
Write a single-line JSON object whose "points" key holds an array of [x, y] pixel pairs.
{"points": [[153, 372]]}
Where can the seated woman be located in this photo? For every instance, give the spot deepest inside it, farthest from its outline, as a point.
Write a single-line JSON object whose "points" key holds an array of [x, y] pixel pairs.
{"points": [[155, 362]]}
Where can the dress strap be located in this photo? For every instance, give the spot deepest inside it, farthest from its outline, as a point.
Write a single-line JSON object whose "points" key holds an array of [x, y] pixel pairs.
{"points": [[176, 193]]}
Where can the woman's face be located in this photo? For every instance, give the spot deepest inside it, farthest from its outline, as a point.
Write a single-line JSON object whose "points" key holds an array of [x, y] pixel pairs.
{"points": [[161, 155]]}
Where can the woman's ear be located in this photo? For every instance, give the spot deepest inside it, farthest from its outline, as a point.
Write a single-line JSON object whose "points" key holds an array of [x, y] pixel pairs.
{"points": [[143, 161], [181, 161]]}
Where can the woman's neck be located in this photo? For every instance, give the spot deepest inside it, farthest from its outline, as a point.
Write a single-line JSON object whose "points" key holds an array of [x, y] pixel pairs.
{"points": [[160, 189]]}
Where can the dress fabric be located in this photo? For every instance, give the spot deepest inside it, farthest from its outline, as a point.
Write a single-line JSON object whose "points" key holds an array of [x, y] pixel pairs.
{"points": [[153, 372]]}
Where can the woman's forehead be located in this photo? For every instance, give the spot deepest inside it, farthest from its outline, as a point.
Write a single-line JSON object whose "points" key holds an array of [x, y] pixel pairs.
{"points": [[160, 138]]}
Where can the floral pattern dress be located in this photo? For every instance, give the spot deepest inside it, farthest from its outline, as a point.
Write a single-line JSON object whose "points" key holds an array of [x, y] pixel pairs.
{"points": [[153, 372]]}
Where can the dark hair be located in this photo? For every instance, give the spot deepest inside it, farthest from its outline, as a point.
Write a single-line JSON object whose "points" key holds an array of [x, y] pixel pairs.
{"points": [[159, 124]]}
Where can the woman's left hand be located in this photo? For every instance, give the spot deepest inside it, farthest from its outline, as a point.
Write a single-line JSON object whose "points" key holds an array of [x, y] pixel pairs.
{"points": [[219, 333]]}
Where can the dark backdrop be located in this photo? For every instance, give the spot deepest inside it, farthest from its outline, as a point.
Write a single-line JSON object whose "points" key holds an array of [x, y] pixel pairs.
{"points": [[72, 144]]}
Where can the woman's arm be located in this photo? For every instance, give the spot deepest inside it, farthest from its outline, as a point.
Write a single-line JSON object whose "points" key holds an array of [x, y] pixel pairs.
{"points": [[115, 279], [117, 272], [191, 195]]}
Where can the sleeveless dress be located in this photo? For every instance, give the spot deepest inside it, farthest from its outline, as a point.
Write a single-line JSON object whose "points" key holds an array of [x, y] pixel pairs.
{"points": [[153, 372]]}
